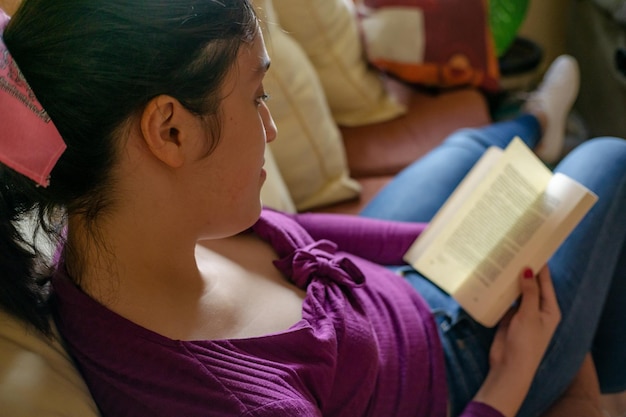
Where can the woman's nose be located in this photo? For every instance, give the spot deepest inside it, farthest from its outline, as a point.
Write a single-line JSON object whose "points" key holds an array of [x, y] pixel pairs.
{"points": [[270, 126]]}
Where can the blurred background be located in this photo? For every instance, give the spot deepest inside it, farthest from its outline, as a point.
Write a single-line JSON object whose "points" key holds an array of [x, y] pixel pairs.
{"points": [[593, 31]]}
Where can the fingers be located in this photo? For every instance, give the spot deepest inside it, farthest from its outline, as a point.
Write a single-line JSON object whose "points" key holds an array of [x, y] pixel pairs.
{"points": [[538, 294], [531, 292], [548, 298], [505, 321]]}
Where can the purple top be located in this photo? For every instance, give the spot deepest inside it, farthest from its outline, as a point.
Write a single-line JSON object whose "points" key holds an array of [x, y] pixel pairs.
{"points": [[366, 345]]}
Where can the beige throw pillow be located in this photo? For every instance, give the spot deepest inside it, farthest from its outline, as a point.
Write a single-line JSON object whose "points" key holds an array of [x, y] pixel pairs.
{"points": [[308, 149], [328, 32], [275, 193]]}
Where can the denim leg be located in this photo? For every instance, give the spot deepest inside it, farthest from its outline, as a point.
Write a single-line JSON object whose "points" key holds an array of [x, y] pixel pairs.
{"points": [[609, 342], [417, 192], [465, 342], [588, 274]]}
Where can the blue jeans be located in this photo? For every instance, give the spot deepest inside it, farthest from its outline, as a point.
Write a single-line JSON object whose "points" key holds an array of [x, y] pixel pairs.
{"points": [[588, 270]]}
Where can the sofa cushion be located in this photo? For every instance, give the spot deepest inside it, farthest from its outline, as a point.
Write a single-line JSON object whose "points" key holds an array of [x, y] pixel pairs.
{"points": [[386, 148], [38, 377], [308, 149], [434, 43], [327, 30]]}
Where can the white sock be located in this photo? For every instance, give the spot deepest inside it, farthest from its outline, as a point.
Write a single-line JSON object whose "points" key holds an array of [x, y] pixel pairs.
{"points": [[554, 98]]}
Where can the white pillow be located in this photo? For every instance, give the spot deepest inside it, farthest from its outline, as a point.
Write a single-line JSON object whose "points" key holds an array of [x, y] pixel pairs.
{"points": [[309, 148], [37, 376], [328, 32]]}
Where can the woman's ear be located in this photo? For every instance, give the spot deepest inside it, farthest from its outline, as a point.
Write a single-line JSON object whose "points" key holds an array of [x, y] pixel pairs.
{"points": [[164, 123]]}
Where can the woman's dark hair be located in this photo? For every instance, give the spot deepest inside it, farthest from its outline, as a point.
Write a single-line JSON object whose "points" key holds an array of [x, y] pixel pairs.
{"points": [[94, 64]]}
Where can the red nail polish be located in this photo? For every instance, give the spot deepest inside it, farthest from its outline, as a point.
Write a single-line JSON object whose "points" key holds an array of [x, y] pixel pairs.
{"points": [[528, 273]]}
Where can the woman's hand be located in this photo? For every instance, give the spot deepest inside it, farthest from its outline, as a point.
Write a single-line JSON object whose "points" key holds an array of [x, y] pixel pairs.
{"points": [[525, 332], [520, 342]]}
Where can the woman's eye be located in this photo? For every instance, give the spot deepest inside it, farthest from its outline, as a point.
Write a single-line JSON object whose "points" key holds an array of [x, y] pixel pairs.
{"points": [[262, 98]]}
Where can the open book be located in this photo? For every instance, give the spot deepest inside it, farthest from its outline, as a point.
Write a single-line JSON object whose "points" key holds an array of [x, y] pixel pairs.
{"points": [[508, 213]]}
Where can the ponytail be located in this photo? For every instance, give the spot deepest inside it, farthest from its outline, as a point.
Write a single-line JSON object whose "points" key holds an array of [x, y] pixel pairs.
{"points": [[23, 274]]}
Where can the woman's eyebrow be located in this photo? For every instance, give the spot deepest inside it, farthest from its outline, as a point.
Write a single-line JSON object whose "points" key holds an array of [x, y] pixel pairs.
{"points": [[262, 66]]}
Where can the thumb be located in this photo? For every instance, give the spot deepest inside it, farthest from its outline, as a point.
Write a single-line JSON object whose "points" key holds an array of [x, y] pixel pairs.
{"points": [[530, 291]]}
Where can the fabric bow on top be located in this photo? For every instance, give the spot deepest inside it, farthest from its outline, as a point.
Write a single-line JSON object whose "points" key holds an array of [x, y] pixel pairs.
{"points": [[319, 260], [29, 142]]}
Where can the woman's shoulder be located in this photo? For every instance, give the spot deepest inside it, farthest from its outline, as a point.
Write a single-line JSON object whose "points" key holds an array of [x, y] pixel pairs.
{"points": [[282, 231]]}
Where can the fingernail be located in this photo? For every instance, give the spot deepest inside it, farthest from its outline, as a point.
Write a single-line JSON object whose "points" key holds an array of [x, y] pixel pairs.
{"points": [[528, 273]]}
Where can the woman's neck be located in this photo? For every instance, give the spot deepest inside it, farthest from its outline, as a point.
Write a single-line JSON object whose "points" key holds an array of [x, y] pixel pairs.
{"points": [[121, 256]]}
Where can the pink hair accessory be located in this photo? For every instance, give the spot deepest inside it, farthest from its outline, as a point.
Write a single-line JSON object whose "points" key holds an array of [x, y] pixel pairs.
{"points": [[29, 142]]}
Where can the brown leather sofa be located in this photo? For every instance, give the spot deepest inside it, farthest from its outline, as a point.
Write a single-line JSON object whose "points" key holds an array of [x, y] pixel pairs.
{"points": [[376, 152]]}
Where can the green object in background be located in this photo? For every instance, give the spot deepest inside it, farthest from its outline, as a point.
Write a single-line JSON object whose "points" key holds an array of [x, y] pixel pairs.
{"points": [[505, 19]]}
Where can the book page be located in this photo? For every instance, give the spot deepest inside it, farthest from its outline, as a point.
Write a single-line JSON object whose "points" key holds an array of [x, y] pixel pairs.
{"points": [[516, 216], [563, 204], [455, 201], [469, 242], [499, 225], [571, 201]]}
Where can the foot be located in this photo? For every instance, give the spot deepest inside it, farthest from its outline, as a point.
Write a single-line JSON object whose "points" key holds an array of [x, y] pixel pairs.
{"points": [[552, 102]]}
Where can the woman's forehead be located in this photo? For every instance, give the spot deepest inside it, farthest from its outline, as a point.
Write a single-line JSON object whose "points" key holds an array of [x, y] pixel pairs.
{"points": [[253, 58]]}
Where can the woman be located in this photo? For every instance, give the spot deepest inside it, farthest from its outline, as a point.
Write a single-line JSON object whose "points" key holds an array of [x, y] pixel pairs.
{"points": [[161, 108]]}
